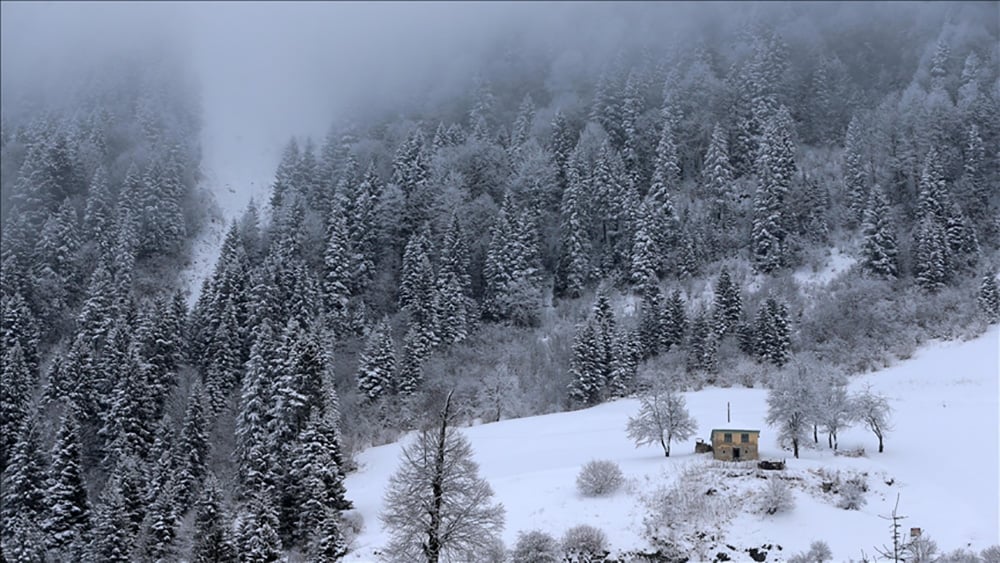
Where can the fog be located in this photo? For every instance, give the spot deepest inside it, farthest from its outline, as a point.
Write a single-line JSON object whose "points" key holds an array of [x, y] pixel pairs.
{"points": [[268, 71]]}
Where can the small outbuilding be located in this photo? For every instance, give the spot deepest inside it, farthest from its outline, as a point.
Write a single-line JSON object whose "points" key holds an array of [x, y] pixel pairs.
{"points": [[733, 444]]}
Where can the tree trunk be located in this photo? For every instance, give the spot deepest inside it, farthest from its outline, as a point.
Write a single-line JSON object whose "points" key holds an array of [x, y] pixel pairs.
{"points": [[829, 439], [815, 435], [795, 447], [433, 547], [880, 449]]}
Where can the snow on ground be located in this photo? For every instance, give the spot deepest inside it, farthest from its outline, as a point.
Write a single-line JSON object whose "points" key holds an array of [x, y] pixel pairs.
{"points": [[836, 264], [942, 459], [231, 193]]}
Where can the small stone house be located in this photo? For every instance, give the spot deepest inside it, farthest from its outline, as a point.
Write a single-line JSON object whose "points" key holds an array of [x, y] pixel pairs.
{"points": [[732, 444]]}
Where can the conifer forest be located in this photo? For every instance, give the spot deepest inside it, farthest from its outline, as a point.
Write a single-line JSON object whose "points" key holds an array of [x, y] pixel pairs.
{"points": [[464, 215]]}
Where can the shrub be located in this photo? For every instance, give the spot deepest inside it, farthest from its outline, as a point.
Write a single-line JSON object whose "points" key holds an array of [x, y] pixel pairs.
{"points": [[776, 497], [353, 523], [585, 544], [852, 493], [818, 552], [599, 477], [922, 550], [535, 547], [991, 554]]}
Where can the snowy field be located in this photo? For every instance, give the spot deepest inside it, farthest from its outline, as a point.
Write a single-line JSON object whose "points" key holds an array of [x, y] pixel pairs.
{"points": [[942, 459]]}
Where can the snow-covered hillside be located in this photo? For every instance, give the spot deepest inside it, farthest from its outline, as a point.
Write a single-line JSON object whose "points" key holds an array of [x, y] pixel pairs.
{"points": [[942, 460]]}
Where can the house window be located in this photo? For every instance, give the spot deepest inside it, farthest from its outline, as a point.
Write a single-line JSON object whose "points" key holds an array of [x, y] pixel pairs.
{"points": [[727, 438], [745, 438]]}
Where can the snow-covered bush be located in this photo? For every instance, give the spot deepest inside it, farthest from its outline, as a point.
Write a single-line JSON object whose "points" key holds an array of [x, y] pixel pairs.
{"points": [[961, 556], [775, 498], [599, 477], [818, 552], [991, 554], [535, 547], [852, 493], [921, 549], [693, 502], [584, 544], [352, 524]]}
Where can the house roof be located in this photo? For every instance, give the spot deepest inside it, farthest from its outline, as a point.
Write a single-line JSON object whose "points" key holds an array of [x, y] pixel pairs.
{"points": [[733, 430]]}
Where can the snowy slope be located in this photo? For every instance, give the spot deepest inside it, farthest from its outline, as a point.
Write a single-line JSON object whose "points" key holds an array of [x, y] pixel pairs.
{"points": [[942, 459]]}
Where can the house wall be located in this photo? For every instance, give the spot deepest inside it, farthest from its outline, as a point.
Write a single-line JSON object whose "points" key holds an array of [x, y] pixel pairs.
{"points": [[724, 450]]}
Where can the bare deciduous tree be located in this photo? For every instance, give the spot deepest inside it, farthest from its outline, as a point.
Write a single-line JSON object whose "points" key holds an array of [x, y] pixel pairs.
{"points": [[873, 411], [437, 508], [663, 418]]}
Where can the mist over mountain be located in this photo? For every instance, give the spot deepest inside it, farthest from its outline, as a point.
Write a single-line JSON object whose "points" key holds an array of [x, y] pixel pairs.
{"points": [[418, 216]]}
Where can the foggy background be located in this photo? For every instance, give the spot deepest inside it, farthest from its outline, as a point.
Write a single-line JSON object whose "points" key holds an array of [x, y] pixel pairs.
{"points": [[268, 71]]}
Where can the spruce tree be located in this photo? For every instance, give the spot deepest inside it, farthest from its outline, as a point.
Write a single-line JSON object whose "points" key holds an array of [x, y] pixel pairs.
{"points": [[728, 305], [23, 479], [717, 180], [878, 253], [258, 540], [773, 333], [646, 252], [336, 272], [675, 322], [989, 298], [563, 142], [587, 385], [16, 384], [318, 477], [574, 260], [211, 541], [931, 264], [193, 449], [416, 350], [775, 168], [855, 174], [68, 519], [377, 366], [651, 325]]}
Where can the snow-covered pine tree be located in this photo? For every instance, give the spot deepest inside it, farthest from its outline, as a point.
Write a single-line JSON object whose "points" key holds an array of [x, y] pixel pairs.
{"points": [[318, 478], [855, 173], [337, 275], [193, 449], [651, 321], [68, 521], [675, 322], [879, 251], [257, 538], [717, 181], [728, 305], [989, 297], [16, 384], [586, 385], [377, 366], [416, 350], [211, 526], [773, 333], [931, 254], [574, 261], [702, 346], [254, 461], [775, 169], [647, 256], [23, 480]]}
